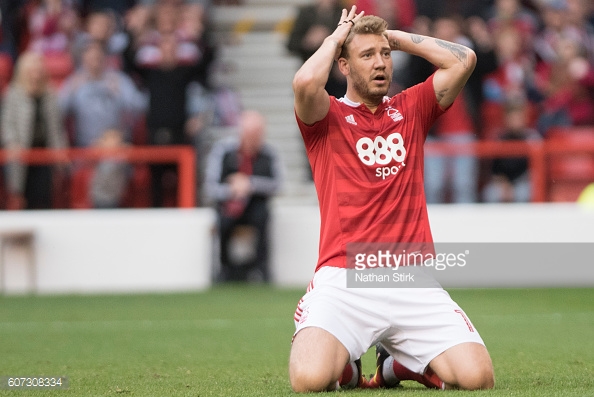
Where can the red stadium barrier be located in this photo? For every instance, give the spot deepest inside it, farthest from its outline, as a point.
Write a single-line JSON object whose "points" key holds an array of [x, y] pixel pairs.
{"points": [[543, 157], [183, 156]]}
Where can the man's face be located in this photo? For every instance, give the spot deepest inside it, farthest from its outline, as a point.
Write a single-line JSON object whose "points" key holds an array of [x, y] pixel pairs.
{"points": [[93, 59], [369, 67]]}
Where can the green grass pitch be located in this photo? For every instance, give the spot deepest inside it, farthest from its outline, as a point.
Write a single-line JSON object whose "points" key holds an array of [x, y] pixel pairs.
{"points": [[234, 341]]}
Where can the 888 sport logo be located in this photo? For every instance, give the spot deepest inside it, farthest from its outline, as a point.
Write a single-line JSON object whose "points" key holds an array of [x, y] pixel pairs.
{"points": [[382, 151]]}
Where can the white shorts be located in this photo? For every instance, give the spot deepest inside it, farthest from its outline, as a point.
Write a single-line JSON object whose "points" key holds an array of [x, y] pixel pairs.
{"points": [[415, 325]]}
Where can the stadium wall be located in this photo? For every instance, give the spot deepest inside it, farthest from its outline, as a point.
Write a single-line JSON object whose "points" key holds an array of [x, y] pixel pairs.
{"points": [[517, 245], [110, 251], [129, 251]]}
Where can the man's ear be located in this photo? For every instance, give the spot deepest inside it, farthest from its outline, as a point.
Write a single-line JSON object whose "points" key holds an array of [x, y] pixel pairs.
{"points": [[343, 66]]}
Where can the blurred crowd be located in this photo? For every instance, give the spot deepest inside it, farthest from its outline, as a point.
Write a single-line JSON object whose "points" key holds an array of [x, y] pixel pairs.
{"points": [[535, 75], [115, 73], [107, 74]]}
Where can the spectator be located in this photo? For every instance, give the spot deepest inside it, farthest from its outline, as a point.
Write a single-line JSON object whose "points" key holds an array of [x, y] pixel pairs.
{"points": [[513, 78], [507, 14], [170, 20], [515, 72], [455, 126], [242, 175], [100, 99], [30, 119], [566, 84], [111, 176], [313, 24], [52, 26], [577, 17], [554, 16], [167, 79], [510, 178], [103, 27]]}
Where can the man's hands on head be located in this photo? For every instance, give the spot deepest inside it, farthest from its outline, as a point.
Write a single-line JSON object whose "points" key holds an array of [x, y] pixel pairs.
{"points": [[347, 21]]}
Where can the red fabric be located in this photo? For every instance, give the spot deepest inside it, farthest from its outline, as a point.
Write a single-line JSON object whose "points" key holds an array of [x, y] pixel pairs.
{"points": [[429, 378], [565, 92], [234, 208], [358, 201], [406, 11], [456, 120]]}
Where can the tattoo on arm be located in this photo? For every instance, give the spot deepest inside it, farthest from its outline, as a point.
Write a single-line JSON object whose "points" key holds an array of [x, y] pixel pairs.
{"points": [[394, 44], [416, 38], [456, 49]]}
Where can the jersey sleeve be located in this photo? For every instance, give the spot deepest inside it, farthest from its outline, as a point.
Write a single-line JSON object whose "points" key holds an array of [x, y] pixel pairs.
{"points": [[427, 109], [313, 134]]}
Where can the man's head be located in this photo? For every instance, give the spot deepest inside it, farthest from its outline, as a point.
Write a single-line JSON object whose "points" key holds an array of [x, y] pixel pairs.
{"points": [[93, 58], [252, 126], [30, 73], [366, 60], [369, 24]]}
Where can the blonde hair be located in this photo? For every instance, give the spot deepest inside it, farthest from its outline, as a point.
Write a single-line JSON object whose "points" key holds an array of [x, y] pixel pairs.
{"points": [[369, 24], [25, 61]]}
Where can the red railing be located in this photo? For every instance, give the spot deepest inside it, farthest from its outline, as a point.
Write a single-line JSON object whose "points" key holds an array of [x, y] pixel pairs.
{"points": [[183, 156], [539, 154]]}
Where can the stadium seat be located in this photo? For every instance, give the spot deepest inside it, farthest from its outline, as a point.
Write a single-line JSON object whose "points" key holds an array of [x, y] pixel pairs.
{"points": [[5, 71], [59, 66], [569, 174]]}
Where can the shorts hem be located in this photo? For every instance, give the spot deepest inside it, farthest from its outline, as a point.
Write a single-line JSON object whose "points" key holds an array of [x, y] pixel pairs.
{"points": [[449, 346], [351, 359]]}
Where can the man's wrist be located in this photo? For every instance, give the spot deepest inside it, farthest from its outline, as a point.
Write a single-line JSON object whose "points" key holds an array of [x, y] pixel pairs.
{"points": [[395, 38]]}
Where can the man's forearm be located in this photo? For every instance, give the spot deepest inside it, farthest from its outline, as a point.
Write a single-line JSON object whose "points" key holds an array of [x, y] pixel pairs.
{"points": [[317, 68], [455, 62], [443, 54]]}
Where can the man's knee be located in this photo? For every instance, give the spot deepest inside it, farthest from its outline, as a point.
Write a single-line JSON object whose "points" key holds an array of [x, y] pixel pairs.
{"points": [[466, 366], [317, 360], [477, 378], [306, 378]]}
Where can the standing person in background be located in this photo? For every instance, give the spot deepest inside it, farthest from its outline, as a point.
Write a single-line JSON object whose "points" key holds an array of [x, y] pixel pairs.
{"points": [[455, 126], [52, 26], [99, 98], [170, 57], [167, 79], [30, 119], [510, 176], [241, 176], [313, 24]]}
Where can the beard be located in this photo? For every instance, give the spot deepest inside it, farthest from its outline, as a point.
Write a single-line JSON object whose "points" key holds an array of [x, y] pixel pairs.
{"points": [[364, 86]]}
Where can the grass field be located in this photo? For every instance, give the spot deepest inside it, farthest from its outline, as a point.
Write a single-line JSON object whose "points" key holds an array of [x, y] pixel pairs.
{"points": [[234, 341]]}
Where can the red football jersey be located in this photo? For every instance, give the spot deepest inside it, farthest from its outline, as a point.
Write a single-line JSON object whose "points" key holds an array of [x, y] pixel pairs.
{"points": [[368, 171]]}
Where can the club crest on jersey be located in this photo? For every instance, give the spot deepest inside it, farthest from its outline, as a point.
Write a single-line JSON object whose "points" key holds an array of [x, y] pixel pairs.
{"points": [[394, 114], [350, 119]]}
